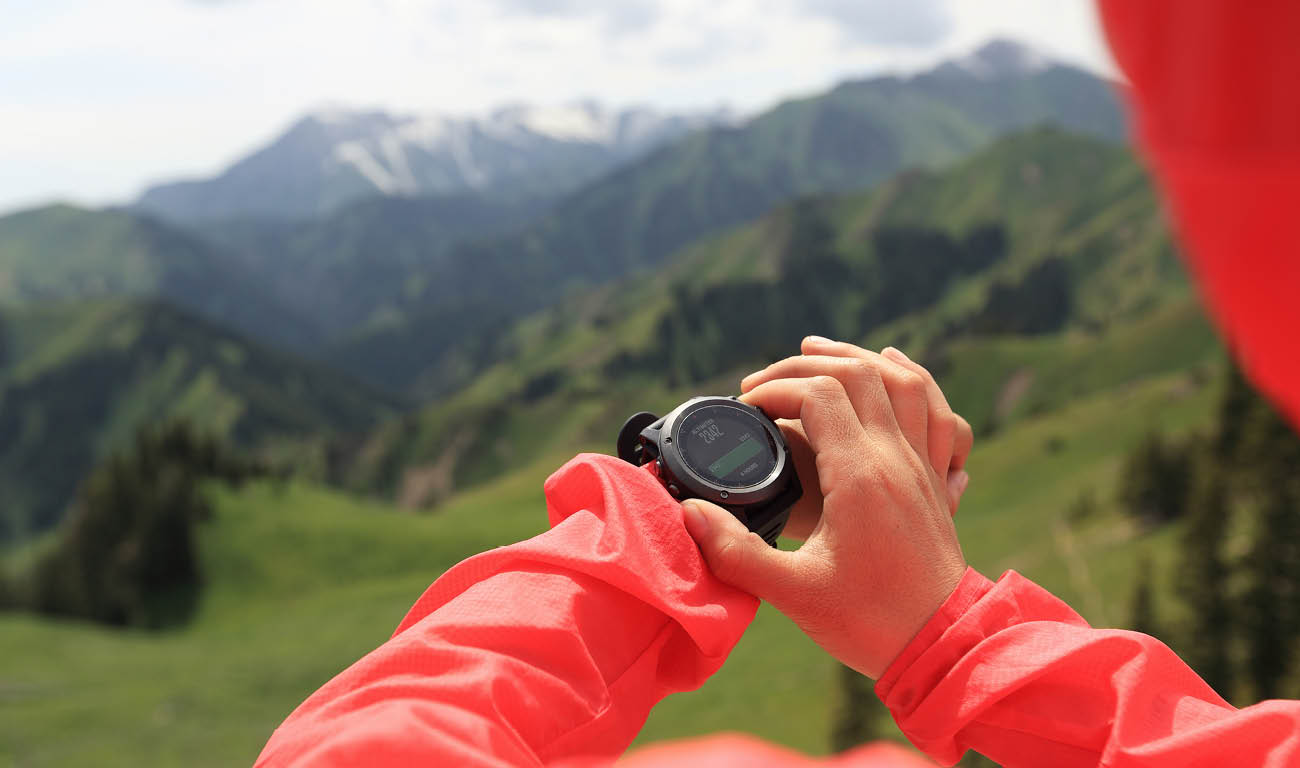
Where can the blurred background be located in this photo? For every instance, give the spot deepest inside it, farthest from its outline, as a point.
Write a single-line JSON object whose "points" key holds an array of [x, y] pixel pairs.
{"points": [[300, 302]]}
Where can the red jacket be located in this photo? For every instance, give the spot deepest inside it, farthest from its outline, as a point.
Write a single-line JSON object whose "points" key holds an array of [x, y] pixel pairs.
{"points": [[1216, 107]]}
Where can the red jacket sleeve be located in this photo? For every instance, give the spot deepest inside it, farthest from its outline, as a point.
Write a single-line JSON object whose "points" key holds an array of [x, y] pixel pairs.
{"points": [[551, 649], [1213, 84], [1010, 671]]}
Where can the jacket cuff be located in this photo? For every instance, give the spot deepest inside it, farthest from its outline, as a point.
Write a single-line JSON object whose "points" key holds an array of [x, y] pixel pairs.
{"points": [[973, 586]]}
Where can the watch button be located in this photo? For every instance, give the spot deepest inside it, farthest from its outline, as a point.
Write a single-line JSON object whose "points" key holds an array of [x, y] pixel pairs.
{"points": [[674, 490]]}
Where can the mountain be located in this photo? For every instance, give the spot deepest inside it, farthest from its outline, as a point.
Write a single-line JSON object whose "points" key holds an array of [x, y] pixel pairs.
{"points": [[328, 159], [62, 253], [77, 379], [1009, 273], [351, 268], [849, 138]]}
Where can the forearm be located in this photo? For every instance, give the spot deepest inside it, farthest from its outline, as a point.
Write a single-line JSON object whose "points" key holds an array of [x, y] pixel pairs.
{"points": [[1010, 671], [551, 648]]}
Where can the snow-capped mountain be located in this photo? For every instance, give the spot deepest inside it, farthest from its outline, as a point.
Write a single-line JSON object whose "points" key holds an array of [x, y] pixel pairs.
{"points": [[331, 158]]}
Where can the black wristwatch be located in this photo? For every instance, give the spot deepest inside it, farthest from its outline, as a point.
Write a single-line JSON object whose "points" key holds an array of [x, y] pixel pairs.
{"points": [[720, 450]]}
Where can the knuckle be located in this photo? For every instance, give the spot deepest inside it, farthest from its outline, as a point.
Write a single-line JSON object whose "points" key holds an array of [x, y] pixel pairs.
{"points": [[834, 471], [945, 422], [825, 387], [912, 384], [863, 369]]}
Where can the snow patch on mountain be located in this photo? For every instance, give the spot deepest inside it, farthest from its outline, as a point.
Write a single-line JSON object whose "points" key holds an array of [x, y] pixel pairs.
{"points": [[355, 155], [571, 123], [1002, 58], [477, 151]]}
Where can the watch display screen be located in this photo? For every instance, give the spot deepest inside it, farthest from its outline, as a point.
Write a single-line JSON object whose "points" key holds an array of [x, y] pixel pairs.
{"points": [[727, 446]]}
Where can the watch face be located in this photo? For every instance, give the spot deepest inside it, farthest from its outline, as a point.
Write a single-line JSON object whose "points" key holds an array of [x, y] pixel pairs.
{"points": [[727, 446]]}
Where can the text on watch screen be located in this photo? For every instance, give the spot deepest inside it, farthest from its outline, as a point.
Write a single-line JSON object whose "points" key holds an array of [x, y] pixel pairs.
{"points": [[727, 446]]}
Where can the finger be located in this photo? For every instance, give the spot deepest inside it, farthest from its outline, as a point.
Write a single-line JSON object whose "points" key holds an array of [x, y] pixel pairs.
{"points": [[962, 443], [861, 380], [957, 483], [821, 404], [816, 345], [908, 397], [806, 513], [928, 437], [739, 556], [944, 423]]}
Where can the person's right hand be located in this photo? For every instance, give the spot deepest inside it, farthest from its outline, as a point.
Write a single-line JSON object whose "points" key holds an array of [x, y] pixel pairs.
{"points": [[949, 436], [884, 554]]}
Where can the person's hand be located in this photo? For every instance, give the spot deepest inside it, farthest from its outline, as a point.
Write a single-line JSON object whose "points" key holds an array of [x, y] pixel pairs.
{"points": [[883, 555], [949, 435]]}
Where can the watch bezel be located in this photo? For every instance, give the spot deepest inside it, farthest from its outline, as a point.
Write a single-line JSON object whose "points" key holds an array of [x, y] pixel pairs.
{"points": [[669, 438]]}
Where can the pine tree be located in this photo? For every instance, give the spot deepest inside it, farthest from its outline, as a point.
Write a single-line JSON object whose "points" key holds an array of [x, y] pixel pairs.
{"points": [[127, 554], [1203, 578], [1143, 612], [856, 709], [1236, 407], [1269, 603], [1155, 480], [1267, 456]]}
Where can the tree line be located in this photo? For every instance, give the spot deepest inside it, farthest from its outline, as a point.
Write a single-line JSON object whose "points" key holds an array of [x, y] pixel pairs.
{"points": [[1237, 489], [712, 328], [127, 554]]}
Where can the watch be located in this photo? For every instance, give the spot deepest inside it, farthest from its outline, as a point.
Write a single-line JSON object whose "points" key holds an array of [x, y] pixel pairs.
{"points": [[721, 450]]}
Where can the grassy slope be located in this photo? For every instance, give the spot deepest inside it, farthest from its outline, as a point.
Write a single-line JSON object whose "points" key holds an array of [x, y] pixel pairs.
{"points": [[303, 581], [84, 376]]}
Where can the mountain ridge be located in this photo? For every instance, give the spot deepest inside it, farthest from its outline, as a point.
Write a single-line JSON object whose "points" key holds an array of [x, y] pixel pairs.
{"points": [[62, 252], [328, 159]]}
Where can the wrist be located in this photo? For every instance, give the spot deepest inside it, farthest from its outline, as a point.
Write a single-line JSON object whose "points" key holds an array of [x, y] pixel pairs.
{"points": [[971, 585], [919, 605]]}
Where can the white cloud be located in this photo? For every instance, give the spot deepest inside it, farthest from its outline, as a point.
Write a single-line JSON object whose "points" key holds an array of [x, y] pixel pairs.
{"points": [[886, 22], [617, 15], [98, 98]]}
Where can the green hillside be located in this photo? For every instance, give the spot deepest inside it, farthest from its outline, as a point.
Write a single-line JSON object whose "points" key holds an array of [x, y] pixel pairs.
{"points": [[301, 582], [64, 253], [849, 138], [357, 266], [79, 378], [883, 267]]}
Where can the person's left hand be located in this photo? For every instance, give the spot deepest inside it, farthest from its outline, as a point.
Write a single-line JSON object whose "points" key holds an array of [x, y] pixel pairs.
{"points": [[950, 436]]}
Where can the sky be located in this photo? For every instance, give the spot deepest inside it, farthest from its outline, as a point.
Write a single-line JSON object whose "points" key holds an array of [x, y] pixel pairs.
{"points": [[98, 99]]}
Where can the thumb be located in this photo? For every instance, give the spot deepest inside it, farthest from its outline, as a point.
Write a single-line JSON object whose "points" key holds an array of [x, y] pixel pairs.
{"points": [[737, 555]]}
